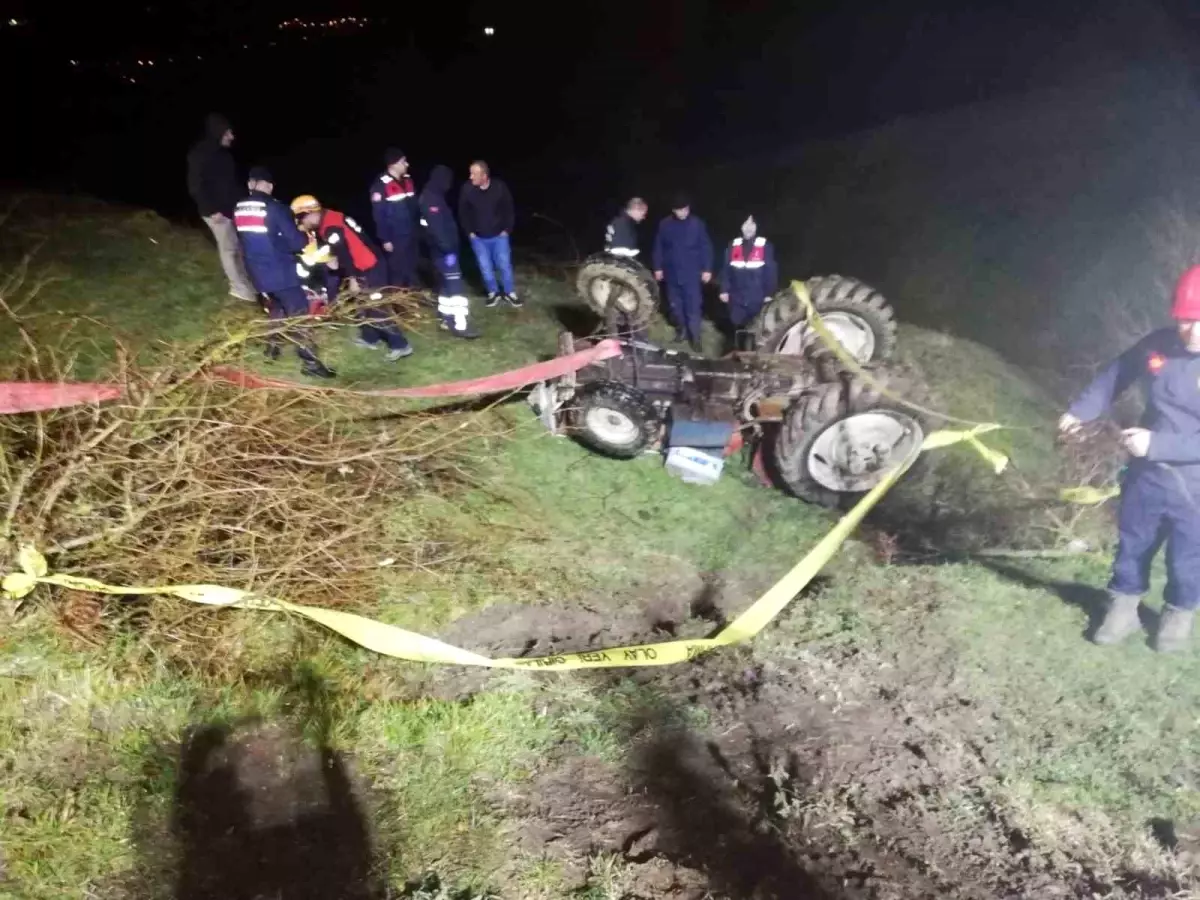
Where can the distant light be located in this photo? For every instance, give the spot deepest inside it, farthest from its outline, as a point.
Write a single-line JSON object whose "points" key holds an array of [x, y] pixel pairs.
{"points": [[14, 22], [74, 62], [140, 63], [489, 31]]}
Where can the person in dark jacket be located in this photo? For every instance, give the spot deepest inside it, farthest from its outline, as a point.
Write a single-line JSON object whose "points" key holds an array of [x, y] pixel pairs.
{"points": [[485, 206], [441, 234], [272, 243], [621, 237], [683, 256], [1160, 493], [394, 206], [357, 266], [214, 185], [749, 277]]}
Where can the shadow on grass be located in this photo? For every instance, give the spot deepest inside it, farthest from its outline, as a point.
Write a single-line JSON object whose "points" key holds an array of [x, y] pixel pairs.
{"points": [[1091, 600], [732, 837], [259, 813]]}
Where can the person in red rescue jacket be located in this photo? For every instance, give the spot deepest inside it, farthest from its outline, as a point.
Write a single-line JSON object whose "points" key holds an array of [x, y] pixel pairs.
{"points": [[749, 277], [356, 264], [394, 207], [1160, 493]]}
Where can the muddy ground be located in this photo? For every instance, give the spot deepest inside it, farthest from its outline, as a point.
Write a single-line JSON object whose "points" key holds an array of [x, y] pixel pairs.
{"points": [[839, 774], [836, 774]]}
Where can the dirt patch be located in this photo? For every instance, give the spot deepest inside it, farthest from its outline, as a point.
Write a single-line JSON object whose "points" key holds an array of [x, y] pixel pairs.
{"points": [[818, 779]]}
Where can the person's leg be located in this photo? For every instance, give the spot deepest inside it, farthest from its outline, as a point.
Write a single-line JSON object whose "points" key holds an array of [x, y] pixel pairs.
{"points": [[1140, 534], [402, 262], [453, 307], [694, 310], [230, 251], [1183, 566], [483, 256], [675, 300], [502, 255], [294, 302]]}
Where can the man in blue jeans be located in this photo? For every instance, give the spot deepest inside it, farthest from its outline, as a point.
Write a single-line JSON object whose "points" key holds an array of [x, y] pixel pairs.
{"points": [[485, 208]]}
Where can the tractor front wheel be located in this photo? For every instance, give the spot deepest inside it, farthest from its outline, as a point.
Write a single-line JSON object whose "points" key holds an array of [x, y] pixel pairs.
{"points": [[618, 289], [614, 419], [841, 439]]}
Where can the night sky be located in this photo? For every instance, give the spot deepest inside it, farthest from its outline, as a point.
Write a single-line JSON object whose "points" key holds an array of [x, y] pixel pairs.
{"points": [[951, 152]]}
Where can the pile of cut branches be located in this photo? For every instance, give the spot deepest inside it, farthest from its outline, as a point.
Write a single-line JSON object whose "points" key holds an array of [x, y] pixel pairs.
{"points": [[187, 480]]}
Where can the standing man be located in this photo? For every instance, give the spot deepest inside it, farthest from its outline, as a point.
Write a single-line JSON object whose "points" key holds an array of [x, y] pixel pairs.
{"points": [[271, 242], [441, 233], [394, 205], [214, 185], [1160, 493], [621, 237], [357, 265], [486, 209], [749, 277], [683, 261]]}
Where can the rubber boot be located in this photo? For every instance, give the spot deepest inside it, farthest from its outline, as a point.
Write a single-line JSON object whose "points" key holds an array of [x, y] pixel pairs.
{"points": [[1174, 629], [1120, 621]]}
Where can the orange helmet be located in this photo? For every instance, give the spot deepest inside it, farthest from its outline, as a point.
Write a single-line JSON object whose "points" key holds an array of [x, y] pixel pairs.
{"points": [[305, 203]]}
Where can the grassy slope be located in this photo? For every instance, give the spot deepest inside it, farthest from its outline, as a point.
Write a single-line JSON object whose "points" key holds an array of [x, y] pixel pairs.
{"points": [[87, 742]]}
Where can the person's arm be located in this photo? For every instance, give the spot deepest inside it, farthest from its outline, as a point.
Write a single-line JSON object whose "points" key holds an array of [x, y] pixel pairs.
{"points": [[706, 250], [1172, 447], [658, 255], [284, 227], [1114, 379], [381, 214], [508, 213], [771, 278], [466, 210]]}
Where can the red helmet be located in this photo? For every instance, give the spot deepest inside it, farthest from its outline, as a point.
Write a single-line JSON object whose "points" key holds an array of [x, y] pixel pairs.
{"points": [[1186, 307]]}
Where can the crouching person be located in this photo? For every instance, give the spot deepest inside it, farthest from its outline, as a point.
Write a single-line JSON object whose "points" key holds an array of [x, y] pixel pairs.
{"points": [[1160, 494], [357, 266], [270, 244]]}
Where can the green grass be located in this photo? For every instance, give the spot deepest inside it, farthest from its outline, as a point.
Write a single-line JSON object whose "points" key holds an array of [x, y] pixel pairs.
{"points": [[87, 740]]}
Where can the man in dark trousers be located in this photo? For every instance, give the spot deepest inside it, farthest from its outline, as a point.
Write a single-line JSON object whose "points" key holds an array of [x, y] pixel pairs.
{"points": [[271, 243], [621, 237], [749, 277], [394, 205], [486, 209], [215, 187], [1160, 493], [357, 266], [683, 257], [441, 234]]}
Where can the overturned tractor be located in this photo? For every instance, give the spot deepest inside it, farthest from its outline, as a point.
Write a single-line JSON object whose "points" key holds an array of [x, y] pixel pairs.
{"points": [[827, 433], [619, 289]]}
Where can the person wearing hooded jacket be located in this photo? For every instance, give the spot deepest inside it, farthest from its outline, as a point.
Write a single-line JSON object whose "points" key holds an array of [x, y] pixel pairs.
{"points": [[683, 257], [214, 186], [272, 244], [1160, 492], [394, 207], [749, 277], [441, 235]]}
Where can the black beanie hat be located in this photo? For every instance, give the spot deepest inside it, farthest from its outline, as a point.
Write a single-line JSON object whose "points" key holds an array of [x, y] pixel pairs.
{"points": [[392, 156], [261, 173], [680, 200]]}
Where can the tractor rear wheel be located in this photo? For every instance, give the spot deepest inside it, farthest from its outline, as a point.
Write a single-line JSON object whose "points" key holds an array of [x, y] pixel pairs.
{"points": [[857, 315], [613, 286], [614, 419], [840, 439]]}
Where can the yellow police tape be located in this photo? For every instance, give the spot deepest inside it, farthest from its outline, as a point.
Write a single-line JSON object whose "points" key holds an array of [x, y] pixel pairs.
{"points": [[401, 644], [1086, 495]]}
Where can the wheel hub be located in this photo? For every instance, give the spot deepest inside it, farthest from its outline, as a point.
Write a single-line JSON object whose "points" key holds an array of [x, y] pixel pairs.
{"points": [[608, 293], [611, 426], [851, 331], [854, 454]]}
